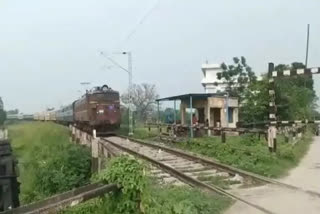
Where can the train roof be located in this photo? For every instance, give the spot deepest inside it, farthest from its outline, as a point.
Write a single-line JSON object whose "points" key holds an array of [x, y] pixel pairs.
{"points": [[101, 89]]}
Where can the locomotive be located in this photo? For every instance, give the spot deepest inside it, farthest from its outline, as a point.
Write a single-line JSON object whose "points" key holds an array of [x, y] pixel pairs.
{"points": [[97, 109]]}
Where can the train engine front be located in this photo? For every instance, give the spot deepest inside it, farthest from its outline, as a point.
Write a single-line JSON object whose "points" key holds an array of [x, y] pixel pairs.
{"points": [[98, 109]]}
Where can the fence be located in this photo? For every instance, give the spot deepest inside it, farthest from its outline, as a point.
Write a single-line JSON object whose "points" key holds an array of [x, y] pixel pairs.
{"points": [[9, 186], [172, 131], [61, 201]]}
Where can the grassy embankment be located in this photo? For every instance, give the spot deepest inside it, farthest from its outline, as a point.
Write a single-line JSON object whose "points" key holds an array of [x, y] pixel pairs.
{"points": [[249, 153], [246, 152], [48, 162]]}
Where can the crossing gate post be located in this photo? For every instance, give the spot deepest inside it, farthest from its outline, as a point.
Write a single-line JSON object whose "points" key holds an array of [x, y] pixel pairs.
{"points": [[272, 130], [294, 133]]}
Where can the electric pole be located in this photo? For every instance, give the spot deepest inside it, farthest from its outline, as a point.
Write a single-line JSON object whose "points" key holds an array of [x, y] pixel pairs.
{"points": [[129, 71], [130, 92], [307, 49]]}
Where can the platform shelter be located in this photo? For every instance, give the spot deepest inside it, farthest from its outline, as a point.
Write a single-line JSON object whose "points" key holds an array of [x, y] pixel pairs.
{"points": [[207, 109]]}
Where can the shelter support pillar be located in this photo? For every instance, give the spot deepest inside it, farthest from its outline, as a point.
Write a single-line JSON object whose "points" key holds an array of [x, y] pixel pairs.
{"points": [[191, 124], [174, 127], [208, 118], [174, 112], [227, 110], [223, 117], [183, 113], [158, 122]]}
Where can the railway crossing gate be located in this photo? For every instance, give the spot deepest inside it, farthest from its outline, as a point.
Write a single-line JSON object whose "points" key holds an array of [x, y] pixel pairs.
{"points": [[273, 122]]}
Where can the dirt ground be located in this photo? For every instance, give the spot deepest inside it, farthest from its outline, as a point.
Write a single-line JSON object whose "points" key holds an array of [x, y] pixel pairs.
{"points": [[285, 201]]}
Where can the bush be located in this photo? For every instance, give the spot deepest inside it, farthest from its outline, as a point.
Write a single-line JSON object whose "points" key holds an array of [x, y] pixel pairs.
{"points": [[287, 153], [128, 174], [139, 195], [68, 169]]}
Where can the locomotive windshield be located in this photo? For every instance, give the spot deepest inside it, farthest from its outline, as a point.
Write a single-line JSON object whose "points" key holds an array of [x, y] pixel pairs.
{"points": [[110, 96]]}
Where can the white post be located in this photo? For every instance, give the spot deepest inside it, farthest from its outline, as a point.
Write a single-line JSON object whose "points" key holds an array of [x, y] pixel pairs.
{"points": [[227, 109], [6, 134], [94, 148], [94, 134]]}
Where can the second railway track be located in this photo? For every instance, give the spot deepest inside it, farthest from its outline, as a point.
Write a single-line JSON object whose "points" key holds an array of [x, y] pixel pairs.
{"points": [[195, 171]]}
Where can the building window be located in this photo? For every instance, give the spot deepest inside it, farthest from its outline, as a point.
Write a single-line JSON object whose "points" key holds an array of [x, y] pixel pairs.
{"points": [[230, 115]]}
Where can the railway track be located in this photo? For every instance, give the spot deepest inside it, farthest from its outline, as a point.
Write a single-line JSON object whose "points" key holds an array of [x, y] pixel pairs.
{"points": [[232, 170], [178, 166]]}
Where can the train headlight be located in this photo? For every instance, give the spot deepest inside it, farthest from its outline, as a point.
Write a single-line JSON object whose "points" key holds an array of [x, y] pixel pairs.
{"points": [[101, 111]]}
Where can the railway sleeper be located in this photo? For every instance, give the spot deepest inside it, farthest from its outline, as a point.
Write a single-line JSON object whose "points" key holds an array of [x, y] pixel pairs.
{"points": [[197, 169], [179, 164], [181, 160], [203, 172], [183, 165], [162, 175], [165, 159]]}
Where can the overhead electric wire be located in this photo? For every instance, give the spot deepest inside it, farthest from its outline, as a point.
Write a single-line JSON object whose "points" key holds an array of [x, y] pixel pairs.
{"points": [[130, 34], [140, 22]]}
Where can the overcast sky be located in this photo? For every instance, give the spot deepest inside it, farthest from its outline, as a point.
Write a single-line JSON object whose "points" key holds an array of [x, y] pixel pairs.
{"points": [[47, 47]]}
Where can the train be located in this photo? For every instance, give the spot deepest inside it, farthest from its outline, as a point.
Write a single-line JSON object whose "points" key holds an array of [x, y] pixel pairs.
{"points": [[20, 117], [98, 109]]}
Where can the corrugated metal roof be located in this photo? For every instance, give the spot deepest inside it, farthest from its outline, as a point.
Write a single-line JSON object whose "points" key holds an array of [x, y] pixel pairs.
{"points": [[193, 95]]}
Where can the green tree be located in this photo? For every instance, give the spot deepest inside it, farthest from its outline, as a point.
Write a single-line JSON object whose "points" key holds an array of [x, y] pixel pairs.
{"points": [[255, 105], [237, 76], [295, 96]]}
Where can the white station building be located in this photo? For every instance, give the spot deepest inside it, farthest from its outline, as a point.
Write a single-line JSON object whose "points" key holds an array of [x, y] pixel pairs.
{"points": [[210, 81]]}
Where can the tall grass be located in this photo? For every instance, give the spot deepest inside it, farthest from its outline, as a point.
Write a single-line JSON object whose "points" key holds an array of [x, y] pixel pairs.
{"points": [[48, 162]]}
